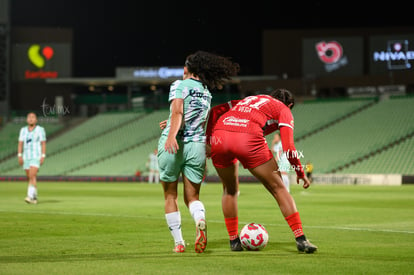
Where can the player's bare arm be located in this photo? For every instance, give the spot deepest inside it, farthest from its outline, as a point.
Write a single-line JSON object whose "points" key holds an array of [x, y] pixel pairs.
{"points": [[306, 182], [177, 106], [19, 152], [42, 159]]}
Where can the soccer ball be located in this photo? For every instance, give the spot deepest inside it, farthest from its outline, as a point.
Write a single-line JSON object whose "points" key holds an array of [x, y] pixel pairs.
{"points": [[254, 236]]}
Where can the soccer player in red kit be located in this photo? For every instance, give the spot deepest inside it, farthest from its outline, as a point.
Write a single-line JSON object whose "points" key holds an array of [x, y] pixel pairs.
{"points": [[236, 132]]}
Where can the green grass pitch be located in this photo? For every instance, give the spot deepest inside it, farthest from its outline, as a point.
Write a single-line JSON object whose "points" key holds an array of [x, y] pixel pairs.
{"points": [[120, 228]]}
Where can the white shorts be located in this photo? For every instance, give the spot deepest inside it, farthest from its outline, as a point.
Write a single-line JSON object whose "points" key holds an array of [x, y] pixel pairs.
{"points": [[27, 163]]}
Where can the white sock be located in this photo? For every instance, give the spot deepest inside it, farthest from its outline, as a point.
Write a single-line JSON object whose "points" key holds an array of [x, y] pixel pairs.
{"points": [[174, 224], [31, 191], [151, 177], [157, 178], [197, 210]]}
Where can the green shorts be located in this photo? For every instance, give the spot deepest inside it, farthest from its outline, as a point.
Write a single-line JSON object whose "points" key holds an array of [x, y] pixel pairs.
{"points": [[27, 163], [190, 160]]}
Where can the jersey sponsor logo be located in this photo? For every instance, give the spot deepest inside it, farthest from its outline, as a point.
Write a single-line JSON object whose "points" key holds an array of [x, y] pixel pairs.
{"points": [[234, 121], [28, 140], [196, 104], [197, 93]]}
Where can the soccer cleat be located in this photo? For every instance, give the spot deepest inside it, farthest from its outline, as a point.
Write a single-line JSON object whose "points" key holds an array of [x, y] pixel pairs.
{"points": [[201, 238], [179, 248], [235, 245], [305, 246], [30, 201]]}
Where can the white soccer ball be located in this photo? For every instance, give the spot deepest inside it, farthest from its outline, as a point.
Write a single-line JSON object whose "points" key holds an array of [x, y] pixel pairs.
{"points": [[254, 236]]}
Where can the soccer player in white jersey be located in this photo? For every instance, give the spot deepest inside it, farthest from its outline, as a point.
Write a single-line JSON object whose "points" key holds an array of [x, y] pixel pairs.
{"points": [[181, 147], [281, 159], [31, 152], [154, 173]]}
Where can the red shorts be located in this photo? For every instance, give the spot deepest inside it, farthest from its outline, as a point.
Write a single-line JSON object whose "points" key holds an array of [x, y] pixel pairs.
{"points": [[228, 147]]}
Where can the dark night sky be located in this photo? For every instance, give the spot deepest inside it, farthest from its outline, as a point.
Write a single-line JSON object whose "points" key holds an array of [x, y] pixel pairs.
{"points": [[108, 34]]}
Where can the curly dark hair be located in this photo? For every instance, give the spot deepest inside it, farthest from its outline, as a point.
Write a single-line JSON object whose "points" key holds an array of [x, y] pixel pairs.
{"points": [[285, 96], [212, 69]]}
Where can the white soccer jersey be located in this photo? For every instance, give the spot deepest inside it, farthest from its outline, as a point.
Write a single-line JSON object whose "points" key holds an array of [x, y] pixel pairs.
{"points": [[32, 148]]}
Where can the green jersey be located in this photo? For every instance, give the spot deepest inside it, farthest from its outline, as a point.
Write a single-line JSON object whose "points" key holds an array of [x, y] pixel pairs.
{"points": [[197, 104], [32, 140]]}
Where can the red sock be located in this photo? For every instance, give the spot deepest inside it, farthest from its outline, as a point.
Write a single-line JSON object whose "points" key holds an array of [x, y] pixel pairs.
{"points": [[295, 224], [232, 225]]}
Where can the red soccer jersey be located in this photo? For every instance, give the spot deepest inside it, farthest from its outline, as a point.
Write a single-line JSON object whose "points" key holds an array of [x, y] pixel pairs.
{"points": [[258, 115]]}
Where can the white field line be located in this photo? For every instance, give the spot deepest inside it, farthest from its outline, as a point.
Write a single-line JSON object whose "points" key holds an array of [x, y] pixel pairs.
{"points": [[210, 221]]}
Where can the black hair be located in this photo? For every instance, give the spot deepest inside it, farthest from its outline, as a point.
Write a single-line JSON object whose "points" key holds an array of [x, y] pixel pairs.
{"points": [[285, 96], [212, 69], [31, 112]]}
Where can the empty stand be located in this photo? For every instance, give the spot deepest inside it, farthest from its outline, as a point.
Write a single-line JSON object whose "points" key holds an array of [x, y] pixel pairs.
{"points": [[342, 136]]}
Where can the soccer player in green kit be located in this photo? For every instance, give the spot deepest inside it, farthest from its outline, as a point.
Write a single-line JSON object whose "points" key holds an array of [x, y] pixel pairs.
{"points": [[31, 152], [181, 147]]}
